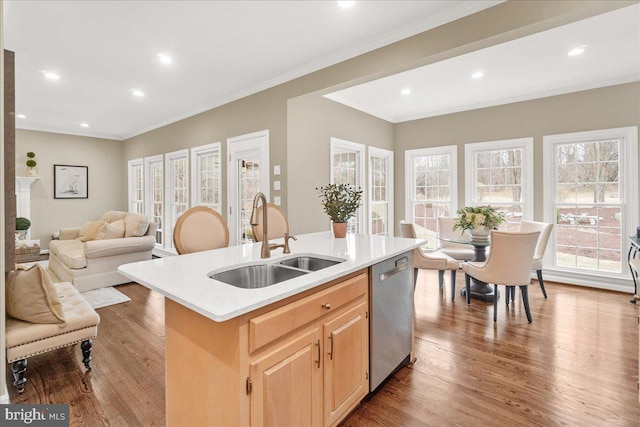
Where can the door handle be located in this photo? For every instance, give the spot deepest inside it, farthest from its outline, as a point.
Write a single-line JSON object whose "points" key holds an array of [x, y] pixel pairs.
{"points": [[318, 345], [331, 347], [384, 276]]}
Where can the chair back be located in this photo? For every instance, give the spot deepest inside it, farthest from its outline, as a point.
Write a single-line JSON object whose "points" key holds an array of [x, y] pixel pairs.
{"points": [[407, 230], [445, 229], [545, 231], [510, 259], [200, 229], [277, 223]]}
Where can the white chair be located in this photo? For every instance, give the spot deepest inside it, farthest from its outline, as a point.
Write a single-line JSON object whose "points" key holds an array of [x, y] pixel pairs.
{"points": [[278, 224], [545, 231], [200, 229], [430, 260], [509, 264], [457, 251]]}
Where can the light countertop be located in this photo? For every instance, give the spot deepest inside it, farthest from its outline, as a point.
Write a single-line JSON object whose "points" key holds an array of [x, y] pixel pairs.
{"points": [[185, 278]]}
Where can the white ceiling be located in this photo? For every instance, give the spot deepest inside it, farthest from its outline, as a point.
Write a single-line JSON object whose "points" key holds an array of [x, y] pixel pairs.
{"points": [[222, 51], [527, 68]]}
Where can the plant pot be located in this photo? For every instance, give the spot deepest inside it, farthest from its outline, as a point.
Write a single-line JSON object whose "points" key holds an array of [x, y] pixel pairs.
{"points": [[32, 172], [21, 234], [481, 234], [340, 229]]}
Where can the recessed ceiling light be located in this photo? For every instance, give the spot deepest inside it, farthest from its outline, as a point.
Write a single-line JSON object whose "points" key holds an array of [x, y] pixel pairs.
{"points": [[477, 74], [21, 116], [137, 92], [51, 75], [406, 91], [165, 59], [84, 125], [346, 4], [576, 51]]}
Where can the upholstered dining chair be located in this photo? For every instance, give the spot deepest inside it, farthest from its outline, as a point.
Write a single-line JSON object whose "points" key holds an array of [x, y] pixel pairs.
{"points": [[457, 251], [200, 229], [545, 231], [430, 260], [277, 223], [509, 264]]}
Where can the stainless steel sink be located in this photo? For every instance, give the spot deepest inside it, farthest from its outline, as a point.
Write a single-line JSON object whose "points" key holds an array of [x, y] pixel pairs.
{"points": [[257, 276], [310, 263]]}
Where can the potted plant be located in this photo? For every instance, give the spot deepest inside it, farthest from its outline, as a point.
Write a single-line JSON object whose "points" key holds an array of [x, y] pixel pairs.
{"points": [[479, 220], [340, 202], [22, 225], [31, 164]]}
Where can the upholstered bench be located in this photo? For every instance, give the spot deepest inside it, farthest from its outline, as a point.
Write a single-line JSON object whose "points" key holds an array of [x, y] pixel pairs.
{"points": [[26, 339]]}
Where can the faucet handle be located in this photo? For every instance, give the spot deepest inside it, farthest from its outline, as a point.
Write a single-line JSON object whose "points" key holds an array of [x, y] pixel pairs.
{"points": [[288, 236]]}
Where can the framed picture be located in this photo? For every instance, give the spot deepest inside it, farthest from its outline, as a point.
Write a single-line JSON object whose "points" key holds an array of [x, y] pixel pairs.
{"points": [[70, 182]]}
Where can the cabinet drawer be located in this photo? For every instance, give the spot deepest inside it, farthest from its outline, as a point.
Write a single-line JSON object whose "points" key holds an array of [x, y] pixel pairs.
{"points": [[279, 322]]}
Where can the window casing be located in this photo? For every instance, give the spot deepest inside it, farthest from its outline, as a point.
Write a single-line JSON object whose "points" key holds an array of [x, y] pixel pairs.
{"points": [[176, 191], [380, 191], [431, 188], [136, 186], [154, 194], [347, 167], [206, 178]]}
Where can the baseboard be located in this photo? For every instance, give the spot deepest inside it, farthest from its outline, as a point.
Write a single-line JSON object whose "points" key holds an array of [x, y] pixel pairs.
{"points": [[588, 280], [160, 253], [4, 397], [44, 252]]}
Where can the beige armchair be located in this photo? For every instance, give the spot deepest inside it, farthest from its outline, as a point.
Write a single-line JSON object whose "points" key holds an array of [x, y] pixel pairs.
{"points": [[545, 231], [430, 260], [509, 264], [457, 251], [200, 229]]}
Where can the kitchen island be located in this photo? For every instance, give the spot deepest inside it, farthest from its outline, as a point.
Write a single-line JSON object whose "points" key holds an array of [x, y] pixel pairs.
{"points": [[296, 352]]}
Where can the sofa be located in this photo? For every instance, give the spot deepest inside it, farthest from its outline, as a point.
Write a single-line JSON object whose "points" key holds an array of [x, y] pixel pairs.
{"points": [[88, 256]]}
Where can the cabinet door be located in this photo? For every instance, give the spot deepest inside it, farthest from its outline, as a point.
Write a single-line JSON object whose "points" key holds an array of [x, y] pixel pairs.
{"points": [[346, 362], [286, 384]]}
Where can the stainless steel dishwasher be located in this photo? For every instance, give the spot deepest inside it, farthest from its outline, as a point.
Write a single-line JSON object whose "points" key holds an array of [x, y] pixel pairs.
{"points": [[391, 317]]}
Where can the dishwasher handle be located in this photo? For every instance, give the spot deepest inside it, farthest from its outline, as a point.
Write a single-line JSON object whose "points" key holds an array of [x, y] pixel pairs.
{"points": [[401, 265]]}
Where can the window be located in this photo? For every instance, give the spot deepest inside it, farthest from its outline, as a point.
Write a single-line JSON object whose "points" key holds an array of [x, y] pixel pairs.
{"points": [[177, 190], [431, 186], [591, 184], [500, 174], [380, 191], [347, 167], [205, 176], [136, 186], [154, 195]]}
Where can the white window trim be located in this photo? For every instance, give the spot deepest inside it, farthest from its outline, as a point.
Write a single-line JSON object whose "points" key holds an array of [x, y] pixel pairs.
{"points": [[343, 145], [527, 169], [131, 185], [409, 176], [628, 165], [388, 156], [148, 209], [169, 158], [195, 171]]}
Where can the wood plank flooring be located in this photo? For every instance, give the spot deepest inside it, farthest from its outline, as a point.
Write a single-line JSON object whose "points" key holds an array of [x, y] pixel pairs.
{"points": [[576, 364]]}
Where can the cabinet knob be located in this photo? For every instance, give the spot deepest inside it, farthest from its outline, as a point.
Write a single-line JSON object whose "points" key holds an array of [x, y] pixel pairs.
{"points": [[326, 306]]}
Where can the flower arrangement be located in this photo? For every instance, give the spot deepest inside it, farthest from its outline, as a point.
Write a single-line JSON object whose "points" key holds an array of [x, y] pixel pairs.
{"points": [[340, 201], [478, 218]]}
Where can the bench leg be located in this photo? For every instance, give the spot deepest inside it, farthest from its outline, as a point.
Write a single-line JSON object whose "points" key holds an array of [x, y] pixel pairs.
{"points": [[18, 368], [86, 347]]}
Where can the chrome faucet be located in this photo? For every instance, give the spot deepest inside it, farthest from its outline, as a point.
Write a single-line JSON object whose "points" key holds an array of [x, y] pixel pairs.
{"points": [[265, 251]]}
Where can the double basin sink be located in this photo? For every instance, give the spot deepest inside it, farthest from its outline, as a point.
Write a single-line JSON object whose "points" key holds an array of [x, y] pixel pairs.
{"points": [[263, 275]]}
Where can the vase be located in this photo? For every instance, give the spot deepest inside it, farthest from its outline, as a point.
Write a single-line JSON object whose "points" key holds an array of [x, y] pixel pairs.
{"points": [[21, 234], [32, 172], [480, 234], [340, 229]]}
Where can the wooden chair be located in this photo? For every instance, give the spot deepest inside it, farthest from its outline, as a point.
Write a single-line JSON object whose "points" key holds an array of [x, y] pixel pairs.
{"points": [[200, 229], [509, 264], [545, 231], [430, 260], [278, 224], [457, 251]]}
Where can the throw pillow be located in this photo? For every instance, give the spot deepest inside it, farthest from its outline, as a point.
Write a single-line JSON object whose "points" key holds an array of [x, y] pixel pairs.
{"points": [[30, 296], [89, 230], [112, 216], [114, 230], [136, 225]]}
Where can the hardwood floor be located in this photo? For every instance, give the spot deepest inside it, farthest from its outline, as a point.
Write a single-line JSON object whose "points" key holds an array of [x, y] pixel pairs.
{"points": [[576, 364]]}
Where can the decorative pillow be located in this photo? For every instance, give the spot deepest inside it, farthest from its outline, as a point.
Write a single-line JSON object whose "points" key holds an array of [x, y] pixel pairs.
{"points": [[136, 225], [112, 216], [115, 230], [89, 230], [30, 296]]}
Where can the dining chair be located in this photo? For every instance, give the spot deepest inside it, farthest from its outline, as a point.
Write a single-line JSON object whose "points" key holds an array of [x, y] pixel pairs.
{"points": [[545, 231], [457, 251], [200, 229], [277, 223], [430, 260], [509, 264]]}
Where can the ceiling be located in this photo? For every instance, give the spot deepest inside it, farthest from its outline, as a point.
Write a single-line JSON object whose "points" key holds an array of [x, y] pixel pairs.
{"points": [[221, 51], [527, 68]]}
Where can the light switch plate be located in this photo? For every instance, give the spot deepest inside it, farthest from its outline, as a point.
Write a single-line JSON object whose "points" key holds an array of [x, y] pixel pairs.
{"points": [[276, 170], [276, 185], [276, 200]]}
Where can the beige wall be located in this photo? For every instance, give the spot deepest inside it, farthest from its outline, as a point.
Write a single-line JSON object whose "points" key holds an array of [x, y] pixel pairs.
{"points": [[107, 179], [313, 121], [610, 107]]}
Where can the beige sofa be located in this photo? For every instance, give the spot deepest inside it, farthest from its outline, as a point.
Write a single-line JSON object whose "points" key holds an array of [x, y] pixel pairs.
{"points": [[89, 256]]}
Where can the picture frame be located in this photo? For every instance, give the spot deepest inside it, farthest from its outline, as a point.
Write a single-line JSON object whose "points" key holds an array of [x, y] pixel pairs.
{"points": [[70, 182]]}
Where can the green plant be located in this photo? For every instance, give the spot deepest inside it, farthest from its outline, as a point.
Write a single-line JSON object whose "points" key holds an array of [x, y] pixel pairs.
{"points": [[478, 217], [340, 201], [31, 162], [22, 223]]}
